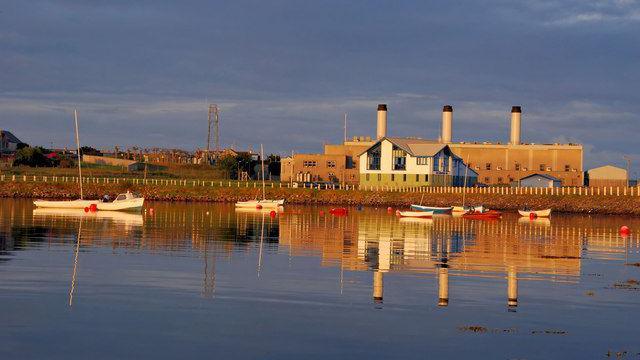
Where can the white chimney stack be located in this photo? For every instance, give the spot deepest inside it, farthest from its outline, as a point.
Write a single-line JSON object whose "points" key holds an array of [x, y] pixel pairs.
{"points": [[382, 121], [447, 117], [516, 112]]}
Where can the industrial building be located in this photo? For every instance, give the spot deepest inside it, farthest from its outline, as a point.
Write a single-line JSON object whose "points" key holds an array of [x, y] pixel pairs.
{"points": [[498, 164], [607, 175], [338, 163], [538, 180]]}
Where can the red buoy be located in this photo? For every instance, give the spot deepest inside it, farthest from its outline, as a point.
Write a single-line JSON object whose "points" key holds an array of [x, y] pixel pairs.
{"points": [[272, 214], [389, 209], [321, 213], [624, 230], [258, 206], [86, 209], [93, 207], [532, 216]]}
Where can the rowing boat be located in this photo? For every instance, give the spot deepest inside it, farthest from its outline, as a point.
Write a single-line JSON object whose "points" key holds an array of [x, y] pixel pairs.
{"points": [[415, 214], [123, 202], [434, 209], [488, 215], [536, 213]]}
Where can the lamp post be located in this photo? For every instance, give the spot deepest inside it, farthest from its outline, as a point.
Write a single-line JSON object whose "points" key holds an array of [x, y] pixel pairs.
{"points": [[628, 159]]}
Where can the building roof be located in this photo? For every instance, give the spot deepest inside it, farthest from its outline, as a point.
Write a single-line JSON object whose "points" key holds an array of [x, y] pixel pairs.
{"points": [[607, 167], [415, 147], [9, 137], [549, 177]]}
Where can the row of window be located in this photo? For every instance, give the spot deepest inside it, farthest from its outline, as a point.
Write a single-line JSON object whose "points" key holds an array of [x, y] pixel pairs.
{"points": [[404, 177], [313, 163], [518, 167]]}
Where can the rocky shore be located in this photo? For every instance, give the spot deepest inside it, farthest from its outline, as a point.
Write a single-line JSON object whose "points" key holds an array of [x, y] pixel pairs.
{"points": [[621, 205]]}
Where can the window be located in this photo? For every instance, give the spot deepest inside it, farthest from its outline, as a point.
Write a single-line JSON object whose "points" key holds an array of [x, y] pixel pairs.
{"points": [[404, 177], [368, 177], [567, 168], [309, 163], [399, 158], [349, 163], [417, 178], [422, 160], [499, 180], [548, 168], [331, 163], [486, 180], [373, 158], [426, 177], [517, 167], [488, 166], [393, 177], [542, 167]]}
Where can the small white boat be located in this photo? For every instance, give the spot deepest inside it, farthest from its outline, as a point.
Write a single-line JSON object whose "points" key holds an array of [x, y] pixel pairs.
{"points": [[123, 202], [536, 213], [415, 214], [260, 204]]}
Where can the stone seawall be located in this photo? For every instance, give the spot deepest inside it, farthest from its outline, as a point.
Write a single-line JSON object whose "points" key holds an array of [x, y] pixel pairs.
{"points": [[610, 204]]}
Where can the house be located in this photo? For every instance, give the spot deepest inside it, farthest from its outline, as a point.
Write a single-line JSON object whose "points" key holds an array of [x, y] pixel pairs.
{"points": [[539, 180], [607, 175], [401, 162], [8, 142]]}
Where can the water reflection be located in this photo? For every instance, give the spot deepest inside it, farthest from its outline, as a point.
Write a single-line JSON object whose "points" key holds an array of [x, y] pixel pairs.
{"points": [[512, 250]]}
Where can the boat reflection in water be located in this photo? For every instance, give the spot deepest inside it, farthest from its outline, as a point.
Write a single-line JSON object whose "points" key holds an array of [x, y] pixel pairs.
{"points": [[513, 249]]}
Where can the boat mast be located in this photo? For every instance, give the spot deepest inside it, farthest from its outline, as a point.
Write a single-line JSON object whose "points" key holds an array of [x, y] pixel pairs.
{"points": [[75, 117], [464, 190], [262, 170]]}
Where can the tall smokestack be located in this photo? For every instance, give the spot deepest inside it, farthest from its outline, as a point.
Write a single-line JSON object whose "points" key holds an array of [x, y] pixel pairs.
{"points": [[516, 112], [382, 121], [447, 116]]}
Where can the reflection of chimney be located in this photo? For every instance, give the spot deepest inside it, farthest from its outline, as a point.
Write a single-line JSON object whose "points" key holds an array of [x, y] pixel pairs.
{"points": [[516, 112], [377, 286], [512, 288], [382, 121], [447, 116], [443, 286]]}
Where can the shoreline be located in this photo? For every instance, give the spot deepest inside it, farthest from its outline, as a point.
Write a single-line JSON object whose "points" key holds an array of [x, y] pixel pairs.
{"points": [[611, 205]]}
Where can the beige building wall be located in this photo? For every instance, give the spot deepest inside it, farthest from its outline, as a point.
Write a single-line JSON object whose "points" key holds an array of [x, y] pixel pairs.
{"points": [[607, 176], [339, 163], [502, 163]]}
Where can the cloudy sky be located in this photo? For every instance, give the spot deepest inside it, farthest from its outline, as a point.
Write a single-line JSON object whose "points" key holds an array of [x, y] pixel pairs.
{"points": [[284, 72]]}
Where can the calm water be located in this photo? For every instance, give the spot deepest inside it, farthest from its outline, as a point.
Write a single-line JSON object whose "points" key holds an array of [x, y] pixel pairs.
{"points": [[202, 280]]}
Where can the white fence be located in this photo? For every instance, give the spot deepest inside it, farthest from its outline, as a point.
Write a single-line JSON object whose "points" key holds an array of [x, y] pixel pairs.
{"points": [[559, 191]]}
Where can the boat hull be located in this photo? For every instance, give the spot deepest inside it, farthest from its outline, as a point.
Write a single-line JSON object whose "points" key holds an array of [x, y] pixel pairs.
{"points": [[487, 215], [435, 210], [415, 214], [120, 205], [69, 204], [537, 213]]}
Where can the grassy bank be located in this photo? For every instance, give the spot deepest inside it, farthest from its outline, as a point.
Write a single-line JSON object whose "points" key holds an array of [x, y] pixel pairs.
{"points": [[624, 205]]}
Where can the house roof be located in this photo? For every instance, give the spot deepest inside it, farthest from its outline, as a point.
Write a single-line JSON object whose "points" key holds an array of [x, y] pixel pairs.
{"points": [[9, 137], [549, 177], [415, 147]]}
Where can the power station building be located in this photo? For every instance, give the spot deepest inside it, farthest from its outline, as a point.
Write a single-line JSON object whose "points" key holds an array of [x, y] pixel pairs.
{"points": [[491, 163], [498, 164]]}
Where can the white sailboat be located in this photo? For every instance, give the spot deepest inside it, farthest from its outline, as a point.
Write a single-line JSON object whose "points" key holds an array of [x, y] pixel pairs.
{"points": [[264, 203], [123, 202]]}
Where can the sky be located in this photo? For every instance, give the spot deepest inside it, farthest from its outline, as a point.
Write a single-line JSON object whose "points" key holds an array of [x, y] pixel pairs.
{"points": [[141, 73]]}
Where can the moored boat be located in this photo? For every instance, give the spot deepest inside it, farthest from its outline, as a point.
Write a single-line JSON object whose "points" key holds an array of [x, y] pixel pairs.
{"points": [[464, 209], [415, 214], [535, 213], [123, 202], [436, 210], [260, 204]]}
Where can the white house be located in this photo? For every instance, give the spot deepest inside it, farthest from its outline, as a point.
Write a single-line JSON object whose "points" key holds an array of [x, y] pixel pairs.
{"points": [[402, 162]]}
